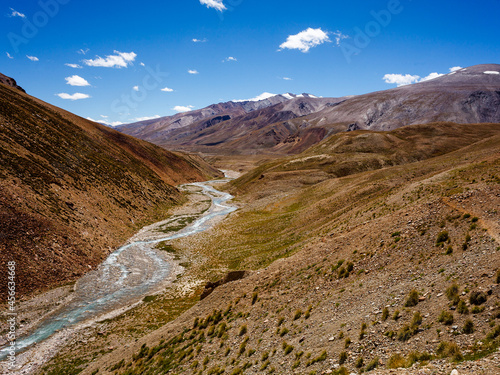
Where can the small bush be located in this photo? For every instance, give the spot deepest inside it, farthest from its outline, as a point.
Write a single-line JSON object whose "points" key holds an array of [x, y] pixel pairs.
{"points": [[359, 362], [297, 315], [347, 342], [452, 293], [497, 279], [493, 334], [468, 327], [449, 250], [462, 307], [477, 309], [449, 349], [396, 315], [412, 299], [255, 296], [342, 358], [243, 330], [385, 314], [372, 365], [477, 298], [446, 318], [442, 237], [396, 361]]}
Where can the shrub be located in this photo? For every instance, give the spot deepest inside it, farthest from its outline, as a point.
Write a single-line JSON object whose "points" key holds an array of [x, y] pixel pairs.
{"points": [[477, 309], [385, 314], [359, 362], [347, 342], [243, 330], [396, 315], [493, 334], [297, 315], [284, 331], [477, 298], [468, 327], [452, 293], [449, 349], [449, 250], [442, 237], [462, 307], [372, 364], [497, 279], [412, 299], [255, 295], [446, 318], [396, 361], [342, 358], [417, 319]]}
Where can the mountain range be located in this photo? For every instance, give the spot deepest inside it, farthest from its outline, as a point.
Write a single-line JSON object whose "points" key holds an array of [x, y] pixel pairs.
{"points": [[288, 124]]}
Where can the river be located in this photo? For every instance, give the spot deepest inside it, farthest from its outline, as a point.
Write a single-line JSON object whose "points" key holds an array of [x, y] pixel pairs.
{"points": [[128, 274]]}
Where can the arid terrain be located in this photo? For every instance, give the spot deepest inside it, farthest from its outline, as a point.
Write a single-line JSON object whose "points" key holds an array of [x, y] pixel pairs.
{"points": [[371, 250]]}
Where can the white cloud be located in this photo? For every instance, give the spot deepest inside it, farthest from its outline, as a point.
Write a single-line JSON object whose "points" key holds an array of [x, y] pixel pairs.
{"points": [[407, 79], [431, 76], [76, 81], [83, 51], [216, 4], [76, 96], [339, 37], [287, 79], [305, 40], [9, 56], [142, 64], [167, 89], [263, 96], [33, 58], [76, 66], [103, 116], [146, 118], [199, 40], [230, 58], [192, 71], [400, 79], [15, 13], [136, 88], [120, 60], [109, 123], [181, 108]]}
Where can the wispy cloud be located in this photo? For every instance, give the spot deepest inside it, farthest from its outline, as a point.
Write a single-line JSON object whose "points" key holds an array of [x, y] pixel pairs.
{"points": [[230, 58], [305, 40], [75, 96], [287, 79], [9, 56], [146, 118], [142, 64], [76, 66], [119, 60], [167, 89], [181, 108], [83, 51], [192, 71], [76, 81], [15, 13], [199, 40], [216, 4], [33, 58], [339, 37], [135, 88]]}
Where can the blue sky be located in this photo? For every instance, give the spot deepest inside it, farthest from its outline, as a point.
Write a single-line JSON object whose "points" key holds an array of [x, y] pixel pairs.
{"points": [[125, 52]]}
